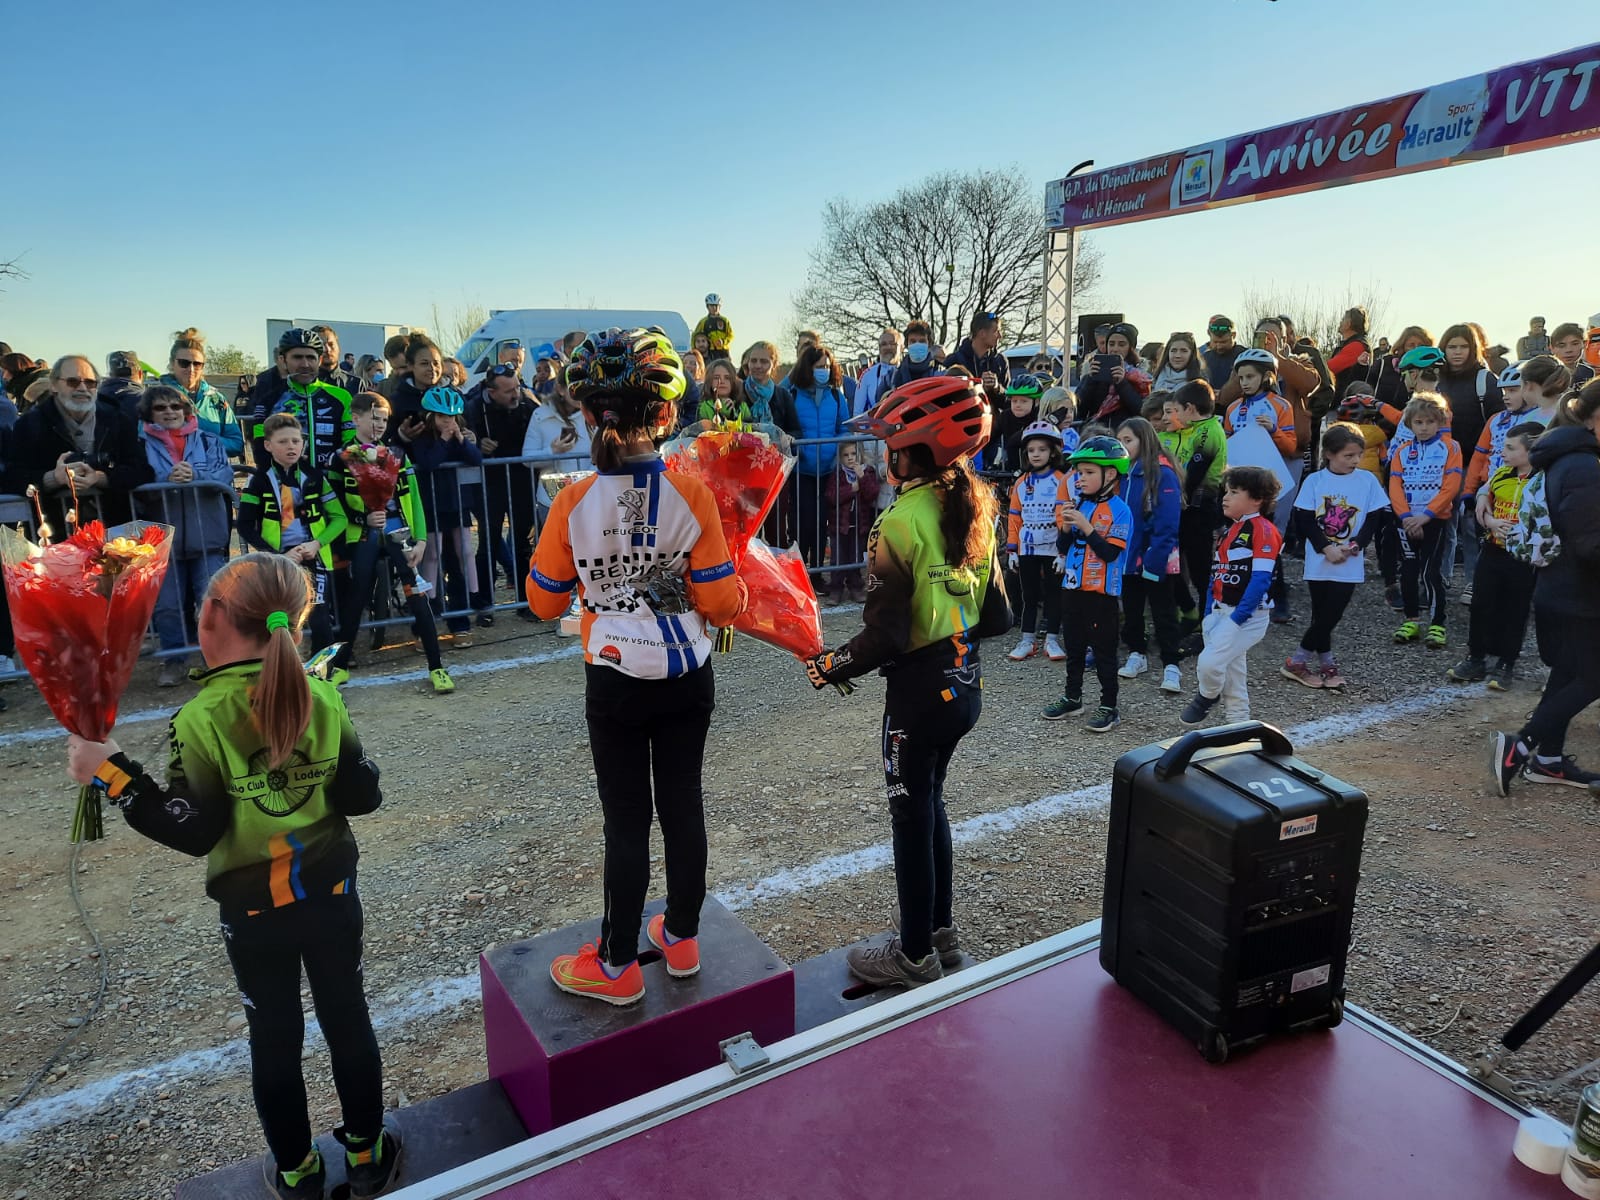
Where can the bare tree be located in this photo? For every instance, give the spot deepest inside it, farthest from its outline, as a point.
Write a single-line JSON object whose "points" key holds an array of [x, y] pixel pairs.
{"points": [[11, 268], [944, 249], [461, 323], [1316, 313]]}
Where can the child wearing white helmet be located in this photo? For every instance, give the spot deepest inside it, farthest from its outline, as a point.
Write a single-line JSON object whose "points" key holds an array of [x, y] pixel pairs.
{"points": [[716, 329], [1031, 541]]}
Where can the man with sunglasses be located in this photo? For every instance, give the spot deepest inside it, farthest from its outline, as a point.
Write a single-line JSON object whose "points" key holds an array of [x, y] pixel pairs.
{"points": [[498, 410], [70, 441], [1220, 350], [979, 352]]}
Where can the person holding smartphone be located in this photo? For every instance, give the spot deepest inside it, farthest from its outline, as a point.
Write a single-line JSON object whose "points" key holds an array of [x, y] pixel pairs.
{"points": [[1116, 386], [555, 432]]}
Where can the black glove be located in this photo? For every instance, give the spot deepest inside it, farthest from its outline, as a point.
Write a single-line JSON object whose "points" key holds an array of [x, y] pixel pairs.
{"points": [[817, 668]]}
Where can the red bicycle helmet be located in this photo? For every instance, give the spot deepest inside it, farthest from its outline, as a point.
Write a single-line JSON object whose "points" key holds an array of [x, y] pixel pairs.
{"points": [[949, 414]]}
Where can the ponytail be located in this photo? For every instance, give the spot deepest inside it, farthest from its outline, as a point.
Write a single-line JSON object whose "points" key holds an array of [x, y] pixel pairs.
{"points": [[967, 508], [266, 597], [623, 417]]}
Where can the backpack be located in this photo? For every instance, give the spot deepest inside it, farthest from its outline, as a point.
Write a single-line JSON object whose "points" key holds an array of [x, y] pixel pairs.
{"points": [[1533, 538]]}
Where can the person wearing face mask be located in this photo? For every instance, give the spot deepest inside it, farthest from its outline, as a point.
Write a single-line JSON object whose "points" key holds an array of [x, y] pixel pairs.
{"points": [[186, 371], [918, 361], [817, 408], [71, 441], [322, 409]]}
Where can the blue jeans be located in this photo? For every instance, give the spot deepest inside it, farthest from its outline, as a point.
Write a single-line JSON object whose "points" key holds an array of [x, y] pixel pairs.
{"points": [[179, 600]]}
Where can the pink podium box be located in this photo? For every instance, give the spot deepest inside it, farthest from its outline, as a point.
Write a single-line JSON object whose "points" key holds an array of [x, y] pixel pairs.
{"points": [[560, 1057]]}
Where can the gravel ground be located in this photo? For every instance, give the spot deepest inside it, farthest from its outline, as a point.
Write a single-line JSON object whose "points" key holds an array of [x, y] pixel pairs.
{"points": [[1469, 906]]}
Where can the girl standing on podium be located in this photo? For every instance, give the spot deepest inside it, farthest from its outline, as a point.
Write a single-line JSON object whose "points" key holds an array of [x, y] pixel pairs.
{"points": [[933, 589], [264, 769], [646, 552]]}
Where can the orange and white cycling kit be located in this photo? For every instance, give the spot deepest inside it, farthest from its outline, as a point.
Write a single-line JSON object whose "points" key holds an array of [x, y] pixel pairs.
{"points": [[646, 552]]}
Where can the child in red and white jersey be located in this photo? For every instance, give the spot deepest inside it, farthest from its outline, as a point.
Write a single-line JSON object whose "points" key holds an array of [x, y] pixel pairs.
{"points": [[1237, 605]]}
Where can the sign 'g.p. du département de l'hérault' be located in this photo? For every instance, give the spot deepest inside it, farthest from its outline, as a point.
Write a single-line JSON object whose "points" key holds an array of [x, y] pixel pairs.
{"points": [[1529, 106]]}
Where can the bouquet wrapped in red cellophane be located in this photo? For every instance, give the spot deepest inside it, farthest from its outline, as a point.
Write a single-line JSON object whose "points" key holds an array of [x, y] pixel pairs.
{"points": [[743, 467], [783, 609], [79, 609], [375, 470]]}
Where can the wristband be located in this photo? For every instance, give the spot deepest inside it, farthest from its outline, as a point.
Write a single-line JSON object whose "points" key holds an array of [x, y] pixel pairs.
{"points": [[110, 779]]}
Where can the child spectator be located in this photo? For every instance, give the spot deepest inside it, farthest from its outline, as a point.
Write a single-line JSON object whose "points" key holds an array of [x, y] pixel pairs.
{"points": [[1154, 496], [397, 534], [851, 501], [1337, 510], [1092, 545], [265, 768], [1057, 407], [1424, 481], [1542, 381], [1488, 455], [722, 397], [1031, 540], [181, 452], [1178, 363], [1197, 446], [290, 509], [1502, 586], [1360, 408], [1237, 603], [1256, 373], [437, 451], [1023, 396]]}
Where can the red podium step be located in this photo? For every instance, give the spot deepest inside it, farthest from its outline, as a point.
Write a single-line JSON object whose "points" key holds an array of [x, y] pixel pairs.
{"points": [[561, 1057]]}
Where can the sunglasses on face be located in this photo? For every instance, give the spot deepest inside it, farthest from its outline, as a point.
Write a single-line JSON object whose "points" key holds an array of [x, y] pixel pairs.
{"points": [[75, 384], [190, 362], [1219, 328], [155, 408]]}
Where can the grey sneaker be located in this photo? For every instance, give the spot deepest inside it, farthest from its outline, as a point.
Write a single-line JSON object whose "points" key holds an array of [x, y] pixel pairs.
{"points": [[886, 965], [946, 941], [173, 672]]}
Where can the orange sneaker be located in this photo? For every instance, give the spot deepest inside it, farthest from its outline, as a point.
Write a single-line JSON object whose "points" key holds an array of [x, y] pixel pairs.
{"points": [[582, 975], [682, 956]]}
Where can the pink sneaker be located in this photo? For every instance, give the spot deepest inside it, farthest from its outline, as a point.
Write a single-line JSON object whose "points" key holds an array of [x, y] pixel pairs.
{"points": [[1331, 677], [1301, 673]]}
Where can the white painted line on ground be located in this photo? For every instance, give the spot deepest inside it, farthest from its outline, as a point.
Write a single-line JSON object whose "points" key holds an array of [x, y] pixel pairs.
{"points": [[51, 732], [443, 995]]}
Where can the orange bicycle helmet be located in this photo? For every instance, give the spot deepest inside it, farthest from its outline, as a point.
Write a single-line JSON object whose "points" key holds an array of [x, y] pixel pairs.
{"points": [[949, 414]]}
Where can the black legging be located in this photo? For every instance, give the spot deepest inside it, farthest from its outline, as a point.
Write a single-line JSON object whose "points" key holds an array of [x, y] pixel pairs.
{"points": [[1422, 583], [1197, 542], [1502, 592], [1040, 586], [1136, 589], [921, 730], [1570, 647], [364, 557], [1329, 598], [1089, 622], [642, 730], [267, 950]]}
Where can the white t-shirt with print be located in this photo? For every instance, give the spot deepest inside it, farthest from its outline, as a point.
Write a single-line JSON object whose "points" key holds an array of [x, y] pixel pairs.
{"points": [[1341, 504]]}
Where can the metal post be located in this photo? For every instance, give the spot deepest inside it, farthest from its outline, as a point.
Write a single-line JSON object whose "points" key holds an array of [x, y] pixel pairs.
{"points": [[1060, 263]]}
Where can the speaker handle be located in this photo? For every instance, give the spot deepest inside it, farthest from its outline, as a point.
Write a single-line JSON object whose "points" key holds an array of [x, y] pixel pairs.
{"points": [[1176, 757]]}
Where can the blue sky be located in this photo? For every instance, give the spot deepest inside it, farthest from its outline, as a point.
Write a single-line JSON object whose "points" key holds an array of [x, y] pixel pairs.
{"points": [[364, 161]]}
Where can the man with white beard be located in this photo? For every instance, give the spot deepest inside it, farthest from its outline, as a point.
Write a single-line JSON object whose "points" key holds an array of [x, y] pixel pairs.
{"points": [[70, 441]]}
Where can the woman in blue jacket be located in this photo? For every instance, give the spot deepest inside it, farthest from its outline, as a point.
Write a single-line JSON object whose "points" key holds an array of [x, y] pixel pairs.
{"points": [[1153, 493], [186, 371], [816, 408], [181, 451]]}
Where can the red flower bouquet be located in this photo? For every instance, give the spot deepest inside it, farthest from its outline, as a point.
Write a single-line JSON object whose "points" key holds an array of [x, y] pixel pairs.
{"points": [[79, 609], [375, 470], [783, 609], [744, 470]]}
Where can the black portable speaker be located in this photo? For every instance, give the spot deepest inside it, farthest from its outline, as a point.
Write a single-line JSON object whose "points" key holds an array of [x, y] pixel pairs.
{"points": [[1231, 874]]}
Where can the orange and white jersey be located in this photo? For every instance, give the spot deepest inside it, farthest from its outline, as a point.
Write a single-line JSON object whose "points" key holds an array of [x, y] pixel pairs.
{"points": [[631, 541]]}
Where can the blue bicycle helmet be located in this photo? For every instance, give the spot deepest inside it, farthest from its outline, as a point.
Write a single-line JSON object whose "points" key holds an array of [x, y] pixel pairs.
{"points": [[444, 400]]}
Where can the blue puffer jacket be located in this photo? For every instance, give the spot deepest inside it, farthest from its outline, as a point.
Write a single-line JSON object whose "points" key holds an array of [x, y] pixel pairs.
{"points": [[202, 518], [1154, 537], [820, 413]]}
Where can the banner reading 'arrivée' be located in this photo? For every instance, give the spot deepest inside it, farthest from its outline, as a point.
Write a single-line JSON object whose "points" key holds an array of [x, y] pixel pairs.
{"points": [[1528, 106]]}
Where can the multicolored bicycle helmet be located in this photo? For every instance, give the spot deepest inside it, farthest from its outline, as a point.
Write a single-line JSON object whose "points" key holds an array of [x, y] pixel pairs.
{"points": [[1025, 385], [1423, 358], [949, 414], [626, 360], [1511, 377], [1102, 452], [1042, 429], [444, 399], [294, 339]]}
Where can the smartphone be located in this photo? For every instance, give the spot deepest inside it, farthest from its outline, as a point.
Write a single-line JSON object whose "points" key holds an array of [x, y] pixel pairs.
{"points": [[1260, 340], [1104, 364]]}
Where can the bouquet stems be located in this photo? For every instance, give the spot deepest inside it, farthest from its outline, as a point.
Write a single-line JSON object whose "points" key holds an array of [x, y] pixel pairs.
{"points": [[88, 823]]}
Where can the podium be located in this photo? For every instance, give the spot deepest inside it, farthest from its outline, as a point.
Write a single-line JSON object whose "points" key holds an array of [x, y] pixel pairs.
{"points": [[560, 1057]]}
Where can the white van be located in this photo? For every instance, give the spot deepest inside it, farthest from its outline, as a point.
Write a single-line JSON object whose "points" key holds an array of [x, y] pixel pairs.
{"points": [[536, 326]]}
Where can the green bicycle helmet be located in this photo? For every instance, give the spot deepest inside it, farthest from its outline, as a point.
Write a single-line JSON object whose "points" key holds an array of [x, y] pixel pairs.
{"points": [[444, 400], [1025, 385], [1423, 358], [626, 360], [1102, 452]]}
